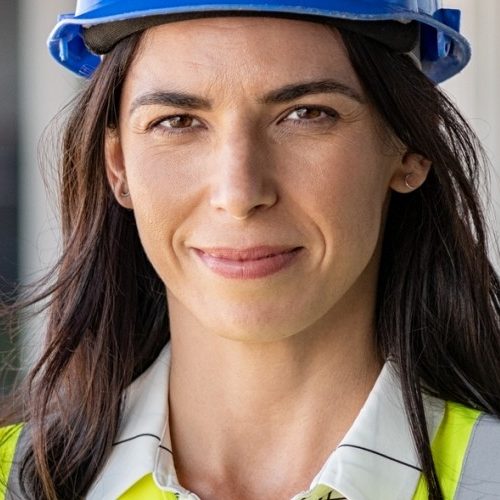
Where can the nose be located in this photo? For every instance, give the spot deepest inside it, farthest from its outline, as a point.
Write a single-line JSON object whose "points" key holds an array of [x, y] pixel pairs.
{"points": [[243, 181]]}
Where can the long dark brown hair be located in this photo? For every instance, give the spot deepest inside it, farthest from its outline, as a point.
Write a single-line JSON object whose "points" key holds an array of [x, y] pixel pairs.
{"points": [[438, 302]]}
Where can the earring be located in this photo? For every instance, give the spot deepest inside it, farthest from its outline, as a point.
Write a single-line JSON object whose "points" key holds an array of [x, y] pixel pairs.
{"points": [[125, 194], [408, 185]]}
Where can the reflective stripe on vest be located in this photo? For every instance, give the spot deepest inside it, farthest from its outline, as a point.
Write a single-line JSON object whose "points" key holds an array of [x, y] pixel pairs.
{"points": [[449, 448], [480, 477], [466, 453]]}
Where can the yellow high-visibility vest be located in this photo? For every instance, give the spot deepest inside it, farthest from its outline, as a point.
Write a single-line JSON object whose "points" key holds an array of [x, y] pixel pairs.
{"points": [[458, 452]]}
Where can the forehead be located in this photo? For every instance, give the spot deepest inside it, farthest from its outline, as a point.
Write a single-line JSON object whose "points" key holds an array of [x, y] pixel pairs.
{"points": [[250, 51]]}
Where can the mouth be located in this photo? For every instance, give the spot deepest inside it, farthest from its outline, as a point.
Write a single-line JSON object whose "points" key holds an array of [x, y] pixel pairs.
{"points": [[248, 263]]}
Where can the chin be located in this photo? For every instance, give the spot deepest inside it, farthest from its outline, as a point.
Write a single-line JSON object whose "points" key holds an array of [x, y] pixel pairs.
{"points": [[252, 337], [256, 328]]}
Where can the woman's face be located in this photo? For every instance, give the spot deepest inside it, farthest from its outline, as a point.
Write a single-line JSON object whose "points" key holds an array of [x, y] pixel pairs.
{"points": [[237, 133]]}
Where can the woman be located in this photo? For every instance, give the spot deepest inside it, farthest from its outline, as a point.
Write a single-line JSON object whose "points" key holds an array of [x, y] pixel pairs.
{"points": [[274, 281]]}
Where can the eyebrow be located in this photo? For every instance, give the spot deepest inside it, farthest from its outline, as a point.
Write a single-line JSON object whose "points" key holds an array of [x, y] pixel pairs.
{"points": [[281, 95], [176, 99], [296, 90]]}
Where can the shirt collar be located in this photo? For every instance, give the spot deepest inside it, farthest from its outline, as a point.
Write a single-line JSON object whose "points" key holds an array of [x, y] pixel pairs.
{"points": [[376, 458], [144, 416]]}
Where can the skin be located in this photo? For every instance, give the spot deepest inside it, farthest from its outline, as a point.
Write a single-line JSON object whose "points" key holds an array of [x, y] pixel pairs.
{"points": [[259, 365]]}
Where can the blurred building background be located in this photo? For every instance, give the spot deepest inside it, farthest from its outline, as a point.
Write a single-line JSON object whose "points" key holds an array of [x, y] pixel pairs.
{"points": [[477, 92], [34, 89]]}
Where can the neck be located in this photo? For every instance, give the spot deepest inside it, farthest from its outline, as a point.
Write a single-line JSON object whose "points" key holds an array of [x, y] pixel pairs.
{"points": [[273, 410]]}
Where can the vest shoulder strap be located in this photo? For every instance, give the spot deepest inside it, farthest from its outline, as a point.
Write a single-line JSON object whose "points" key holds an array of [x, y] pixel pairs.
{"points": [[480, 477], [466, 452], [9, 437]]}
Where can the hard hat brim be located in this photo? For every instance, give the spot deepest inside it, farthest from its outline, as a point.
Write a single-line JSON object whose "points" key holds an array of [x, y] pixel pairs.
{"points": [[443, 50], [400, 37]]}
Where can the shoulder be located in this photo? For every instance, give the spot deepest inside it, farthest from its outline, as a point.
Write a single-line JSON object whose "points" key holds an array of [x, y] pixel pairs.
{"points": [[482, 459], [466, 454], [9, 437], [468, 442]]}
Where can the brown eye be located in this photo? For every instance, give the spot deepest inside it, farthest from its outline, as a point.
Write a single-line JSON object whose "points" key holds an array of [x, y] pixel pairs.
{"points": [[308, 113], [177, 121], [311, 113]]}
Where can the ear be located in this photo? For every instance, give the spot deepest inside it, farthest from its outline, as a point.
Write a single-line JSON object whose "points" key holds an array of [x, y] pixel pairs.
{"points": [[411, 174], [115, 168]]}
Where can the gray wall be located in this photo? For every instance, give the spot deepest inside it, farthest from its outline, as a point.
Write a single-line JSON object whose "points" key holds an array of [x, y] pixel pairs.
{"points": [[44, 88], [476, 90], [8, 168], [8, 143]]}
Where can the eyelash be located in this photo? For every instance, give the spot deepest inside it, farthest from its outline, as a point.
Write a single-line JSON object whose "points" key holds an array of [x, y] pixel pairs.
{"points": [[157, 126], [330, 115]]}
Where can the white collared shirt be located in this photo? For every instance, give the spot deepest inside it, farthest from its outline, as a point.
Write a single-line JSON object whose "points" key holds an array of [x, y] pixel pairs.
{"points": [[376, 459]]}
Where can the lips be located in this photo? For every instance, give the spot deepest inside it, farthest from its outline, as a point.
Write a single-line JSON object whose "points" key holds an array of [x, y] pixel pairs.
{"points": [[248, 263], [254, 253]]}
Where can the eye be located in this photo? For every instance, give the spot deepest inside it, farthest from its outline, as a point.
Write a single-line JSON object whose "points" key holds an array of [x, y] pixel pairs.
{"points": [[312, 114], [176, 123]]}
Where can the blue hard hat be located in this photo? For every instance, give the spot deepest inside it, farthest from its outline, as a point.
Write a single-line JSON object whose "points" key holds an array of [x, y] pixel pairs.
{"points": [[442, 51]]}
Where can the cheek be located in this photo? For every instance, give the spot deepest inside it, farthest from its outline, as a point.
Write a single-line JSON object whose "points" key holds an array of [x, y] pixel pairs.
{"points": [[160, 173], [345, 201], [164, 191], [344, 185]]}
